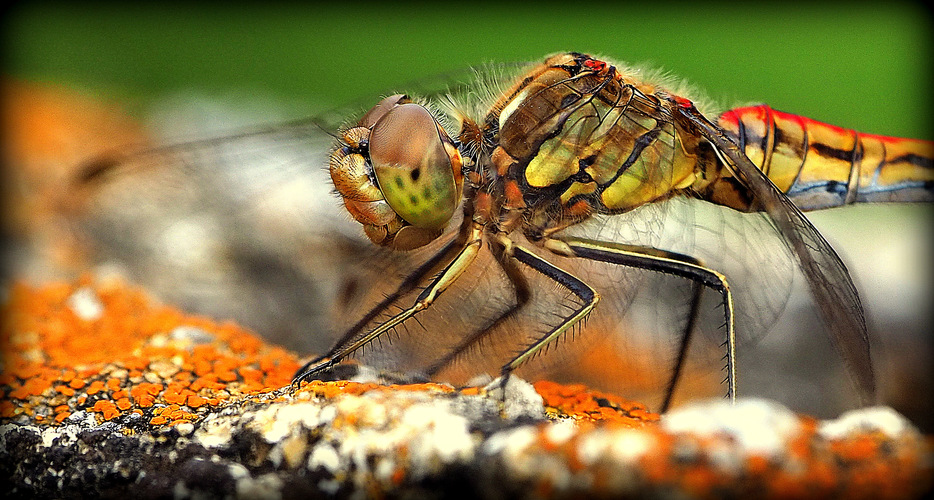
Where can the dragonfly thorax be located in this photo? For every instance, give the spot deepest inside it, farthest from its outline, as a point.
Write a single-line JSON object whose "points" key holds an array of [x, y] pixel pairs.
{"points": [[573, 137]]}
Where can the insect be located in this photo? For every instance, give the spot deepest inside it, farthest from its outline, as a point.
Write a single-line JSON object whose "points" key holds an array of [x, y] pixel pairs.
{"points": [[565, 195], [575, 140]]}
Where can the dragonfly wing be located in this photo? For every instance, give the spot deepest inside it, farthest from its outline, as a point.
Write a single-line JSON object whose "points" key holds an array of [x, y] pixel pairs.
{"points": [[742, 246], [827, 276], [645, 313], [239, 227]]}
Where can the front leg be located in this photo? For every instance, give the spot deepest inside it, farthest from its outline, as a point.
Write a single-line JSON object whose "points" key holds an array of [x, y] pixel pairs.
{"points": [[451, 272]]}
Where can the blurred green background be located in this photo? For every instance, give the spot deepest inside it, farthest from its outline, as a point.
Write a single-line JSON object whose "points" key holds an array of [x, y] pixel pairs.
{"points": [[866, 66]]}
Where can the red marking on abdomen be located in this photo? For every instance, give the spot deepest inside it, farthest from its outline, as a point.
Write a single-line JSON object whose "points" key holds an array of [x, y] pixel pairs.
{"points": [[765, 113]]}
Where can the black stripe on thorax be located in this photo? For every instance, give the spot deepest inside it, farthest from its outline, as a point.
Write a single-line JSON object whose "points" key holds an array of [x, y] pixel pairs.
{"points": [[643, 141]]}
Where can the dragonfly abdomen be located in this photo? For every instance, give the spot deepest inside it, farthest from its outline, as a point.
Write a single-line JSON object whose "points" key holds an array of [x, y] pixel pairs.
{"points": [[819, 165]]}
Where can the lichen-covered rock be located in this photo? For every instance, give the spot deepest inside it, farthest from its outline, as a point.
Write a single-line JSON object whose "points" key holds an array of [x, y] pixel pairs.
{"points": [[106, 395]]}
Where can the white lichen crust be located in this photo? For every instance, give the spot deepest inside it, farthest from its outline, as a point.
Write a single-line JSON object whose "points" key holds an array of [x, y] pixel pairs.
{"points": [[496, 442]]}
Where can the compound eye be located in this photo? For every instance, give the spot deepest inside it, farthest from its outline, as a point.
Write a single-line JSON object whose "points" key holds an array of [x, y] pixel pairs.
{"points": [[376, 112], [417, 166]]}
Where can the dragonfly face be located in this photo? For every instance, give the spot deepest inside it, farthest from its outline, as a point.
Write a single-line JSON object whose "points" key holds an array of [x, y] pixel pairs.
{"points": [[399, 174]]}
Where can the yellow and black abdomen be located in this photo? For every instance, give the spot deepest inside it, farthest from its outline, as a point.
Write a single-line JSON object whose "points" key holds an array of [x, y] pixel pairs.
{"points": [[819, 165]]}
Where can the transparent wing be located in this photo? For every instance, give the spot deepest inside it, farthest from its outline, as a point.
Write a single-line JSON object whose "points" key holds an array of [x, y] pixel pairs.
{"points": [[240, 227], [743, 247], [243, 225], [827, 276], [648, 312], [629, 343]]}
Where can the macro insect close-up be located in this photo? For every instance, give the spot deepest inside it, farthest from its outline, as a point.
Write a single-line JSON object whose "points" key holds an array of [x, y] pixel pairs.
{"points": [[578, 139], [490, 251], [580, 192], [564, 217]]}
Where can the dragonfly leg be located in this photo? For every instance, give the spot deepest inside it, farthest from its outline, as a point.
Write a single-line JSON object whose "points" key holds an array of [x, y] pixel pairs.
{"points": [[434, 264], [671, 263], [523, 294], [582, 290], [696, 291], [466, 254]]}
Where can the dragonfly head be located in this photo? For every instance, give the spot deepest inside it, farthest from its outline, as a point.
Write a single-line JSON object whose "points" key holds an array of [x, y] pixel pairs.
{"points": [[399, 174]]}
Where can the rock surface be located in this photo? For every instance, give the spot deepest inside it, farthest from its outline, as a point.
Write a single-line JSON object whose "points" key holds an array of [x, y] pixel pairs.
{"points": [[106, 395]]}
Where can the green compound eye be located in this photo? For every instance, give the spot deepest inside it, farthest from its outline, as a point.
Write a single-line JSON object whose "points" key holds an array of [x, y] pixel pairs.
{"points": [[416, 166]]}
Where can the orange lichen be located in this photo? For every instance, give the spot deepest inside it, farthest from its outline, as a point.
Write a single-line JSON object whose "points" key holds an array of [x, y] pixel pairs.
{"points": [[136, 360], [757, 464], [128, 359], [581, 403], [855, 449], [333, 389], [106, 408], [196, 401], [113, 384]]}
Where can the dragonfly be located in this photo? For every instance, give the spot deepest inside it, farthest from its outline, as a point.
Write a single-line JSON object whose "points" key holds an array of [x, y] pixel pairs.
{"points": [[526, 212], [576, 138]]}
